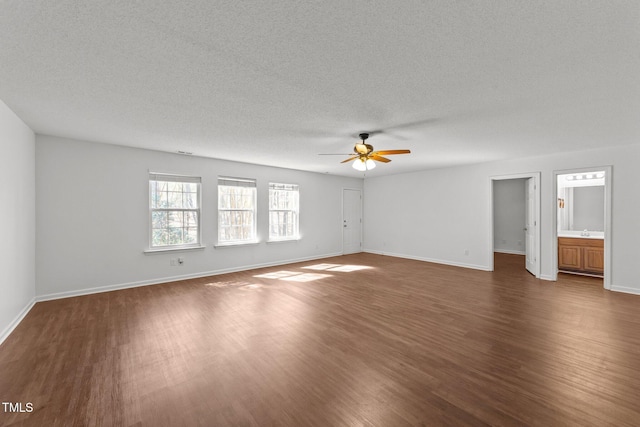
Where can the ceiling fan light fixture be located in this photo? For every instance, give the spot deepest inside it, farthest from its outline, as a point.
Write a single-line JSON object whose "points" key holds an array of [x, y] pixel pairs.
{"points": [[362, 164], [370, 164], [365, 157]]}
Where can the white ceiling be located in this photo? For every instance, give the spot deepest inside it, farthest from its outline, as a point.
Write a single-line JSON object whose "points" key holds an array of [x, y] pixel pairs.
{"points": [[278, 82]]}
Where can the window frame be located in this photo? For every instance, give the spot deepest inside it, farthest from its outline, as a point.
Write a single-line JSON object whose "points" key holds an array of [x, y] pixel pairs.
{"points": [[294, 188], [184, 179], [226, 181]]}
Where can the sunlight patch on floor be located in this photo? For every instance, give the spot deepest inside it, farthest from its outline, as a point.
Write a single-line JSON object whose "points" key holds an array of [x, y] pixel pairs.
{"points": [[306, 277], [293, 276], [250, 287], [277, 274], [322, 266], [347, 268]]}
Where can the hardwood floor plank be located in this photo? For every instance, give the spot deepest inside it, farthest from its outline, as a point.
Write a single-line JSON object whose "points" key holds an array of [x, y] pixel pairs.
{"points": [[361, 339]]}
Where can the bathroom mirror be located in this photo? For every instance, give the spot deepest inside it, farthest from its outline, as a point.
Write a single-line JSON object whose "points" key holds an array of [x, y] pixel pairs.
{"points": [[581, 202]]}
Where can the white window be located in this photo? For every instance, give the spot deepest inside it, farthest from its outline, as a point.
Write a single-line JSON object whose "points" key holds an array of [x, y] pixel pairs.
{"points": [[284, 206], [236, 211], [174, 211]]}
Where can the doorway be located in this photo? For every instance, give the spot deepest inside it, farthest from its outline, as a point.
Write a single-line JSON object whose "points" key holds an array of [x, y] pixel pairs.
{"points": [[515, 218], [351, 221], [582, 223]]}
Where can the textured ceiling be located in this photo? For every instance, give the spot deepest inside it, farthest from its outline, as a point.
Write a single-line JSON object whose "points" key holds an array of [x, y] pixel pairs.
{"points": [[279, 82]]}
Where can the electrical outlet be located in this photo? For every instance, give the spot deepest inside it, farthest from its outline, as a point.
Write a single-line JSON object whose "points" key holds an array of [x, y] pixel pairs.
{"points": [[173, 262], [519, 242], [466, 252], [180, 261]]}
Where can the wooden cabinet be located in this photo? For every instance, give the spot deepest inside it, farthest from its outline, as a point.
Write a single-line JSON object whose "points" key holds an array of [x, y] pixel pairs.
{"points": [[569, 257], [581, 255]]}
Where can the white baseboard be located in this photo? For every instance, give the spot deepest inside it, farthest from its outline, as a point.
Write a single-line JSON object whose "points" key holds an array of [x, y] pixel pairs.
{"points": [[16, 321], [626, 290], [435, 261], [614, 288], [156, 281], [509, 251]]}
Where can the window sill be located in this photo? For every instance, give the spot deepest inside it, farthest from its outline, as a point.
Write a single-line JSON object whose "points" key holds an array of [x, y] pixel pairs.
{"points": [[152, 251], [236, 244], [296, 239]]}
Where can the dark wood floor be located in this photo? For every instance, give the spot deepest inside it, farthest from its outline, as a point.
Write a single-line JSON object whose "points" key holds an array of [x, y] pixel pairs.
{"points": [[399, 343]]}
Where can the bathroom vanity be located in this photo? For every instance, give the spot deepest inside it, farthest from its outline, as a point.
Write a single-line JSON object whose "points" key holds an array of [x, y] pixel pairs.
{"points": [[581, 254]]}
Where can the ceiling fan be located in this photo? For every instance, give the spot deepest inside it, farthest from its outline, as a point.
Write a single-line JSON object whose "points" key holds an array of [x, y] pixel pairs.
{"points": [[365, 157]]}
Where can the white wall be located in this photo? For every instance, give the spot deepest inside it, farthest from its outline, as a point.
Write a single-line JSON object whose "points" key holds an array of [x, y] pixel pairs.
{"points": [[93, 217], [509, 198], [17, 216], [436, 215]]}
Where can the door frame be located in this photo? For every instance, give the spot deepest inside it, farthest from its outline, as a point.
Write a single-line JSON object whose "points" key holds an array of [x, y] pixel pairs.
{"points": [[608, 211], [361, 215], [536, 209]]}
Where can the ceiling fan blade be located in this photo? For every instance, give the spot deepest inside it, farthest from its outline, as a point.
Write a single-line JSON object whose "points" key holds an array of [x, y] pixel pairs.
{"points": [[349, 159], [407, 125], [422, 122], [379, 158], [387, 152]]}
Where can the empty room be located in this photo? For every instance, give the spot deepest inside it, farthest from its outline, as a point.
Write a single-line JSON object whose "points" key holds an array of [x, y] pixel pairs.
{"points": [[284, 213]]}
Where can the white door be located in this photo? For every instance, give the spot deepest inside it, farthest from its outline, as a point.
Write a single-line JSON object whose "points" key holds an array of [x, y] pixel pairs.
{"points": [[530, 227], [351, 221]]}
